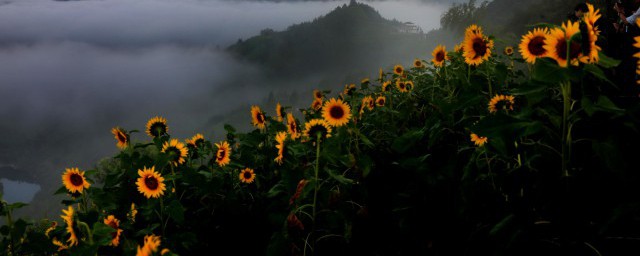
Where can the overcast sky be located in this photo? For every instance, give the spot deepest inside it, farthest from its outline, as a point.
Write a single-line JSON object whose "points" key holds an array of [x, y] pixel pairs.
{"points": [[69, 71]]}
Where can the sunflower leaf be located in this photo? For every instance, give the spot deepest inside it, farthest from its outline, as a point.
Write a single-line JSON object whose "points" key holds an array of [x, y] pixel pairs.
{"points": [[176, 211], [403, 143], [102, 233]]}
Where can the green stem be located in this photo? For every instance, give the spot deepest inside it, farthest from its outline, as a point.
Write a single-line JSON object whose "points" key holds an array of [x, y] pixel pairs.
{"points": [[88, 230], [315, 191], [162, 221], [566, 137], [468, 74], [10, 223], [490, 87]]}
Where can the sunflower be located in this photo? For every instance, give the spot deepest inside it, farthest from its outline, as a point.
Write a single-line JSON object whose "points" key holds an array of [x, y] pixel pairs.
{"points": [[257, 117], [336, 112], [131, 215], [385, 86], [150, 183], [247, 175], [472, 29], [349, 89], [316, 126], [279, 112], [151, 245], [292, 127], [121, 137], [417, 63], [532, 45], [589, 47], [402, 87], [73, 179], [398, 70], [364, 81], [176, 150], [408, 85], [195, 141], [439, 56], [223, 156], [70, 219], [380, 101], [368, 102], [157, 127], [280, 138], [478, 140], [60, 245], [316, 104], [477, 47], [505, 102], [556, 44], [111, 221], [317, 95], [508, 50]]}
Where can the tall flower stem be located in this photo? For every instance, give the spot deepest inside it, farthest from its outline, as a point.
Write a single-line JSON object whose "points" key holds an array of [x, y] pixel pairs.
{"points": [[566, 131], [316, 185]]}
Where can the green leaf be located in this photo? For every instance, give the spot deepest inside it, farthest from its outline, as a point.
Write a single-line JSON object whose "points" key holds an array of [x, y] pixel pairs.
{"points": [[61, 190], [339, 177], [176, 211], [102, 233], [16, 205], [366, 141], [598, 73], [606, 61], [506, 221], [403, 143]]}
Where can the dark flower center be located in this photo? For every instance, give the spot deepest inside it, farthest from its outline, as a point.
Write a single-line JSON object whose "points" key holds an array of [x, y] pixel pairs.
{"points": [[293, 127], [247, 175], [114, 226], [439, 56], [151, 182], [336, 112], [480, 47], [536, 46], [398, 70], [158, 129], [401, 85], [221, 154], [260, 118], [76, 179], [574, 51], [418, 63], [380, 101], [121, 137], [314, 130], [174, 153]]}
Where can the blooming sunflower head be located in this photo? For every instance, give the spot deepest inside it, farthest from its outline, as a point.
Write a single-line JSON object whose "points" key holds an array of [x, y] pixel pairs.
{"points": [[279, 112], [69, 218], [532, 45], [508, 51], [499, 101], [114, 223], [196, 141], [176, 150], [478, 140], [349, 89], [591, 17], [439, 55], [74, 180], [380, 101], [317, 95], [590, 36], [477, 47], [401, 85], [257, 117], [398, 70], [150, 246], [385, 86], [367, 102], [223, 155], [409, 85], [292, 127], [122, 138], [157, 127], [559, 41], [280, 138], [417, 63], [150, 183], [247, 175], [316, 104], [317, 126], [336, 113]]}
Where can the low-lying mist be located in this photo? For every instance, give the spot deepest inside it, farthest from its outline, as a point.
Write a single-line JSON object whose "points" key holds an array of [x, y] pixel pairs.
{"points": [[70, 71]]}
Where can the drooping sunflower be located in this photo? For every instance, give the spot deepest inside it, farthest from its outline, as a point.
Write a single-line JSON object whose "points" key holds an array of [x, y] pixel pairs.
{"points": [[121, 137], [558, 39], [292, 127], [157, 127], [317, 95], [150, 183], [401, 85], [70, 219], [247, 175], [380, 101], [131, 215], [591, 17], [257, 117], [508, 51], [477, 47], [316, 104], [364, 81], [349, 89], [439, 56], [417, 63], [223, 155], [532, 45], [385, 86], [336, 113], [315, 126], [114, 223], [590, 36], [280, 138], [176, 150], [398, 70], [73, 179], [408, 85], [196, 141], [279, 112], [499, 101], [478, 140]]}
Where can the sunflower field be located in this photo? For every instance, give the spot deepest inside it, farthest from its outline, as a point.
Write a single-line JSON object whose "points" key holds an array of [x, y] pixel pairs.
{"points": [[476, 151]]}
